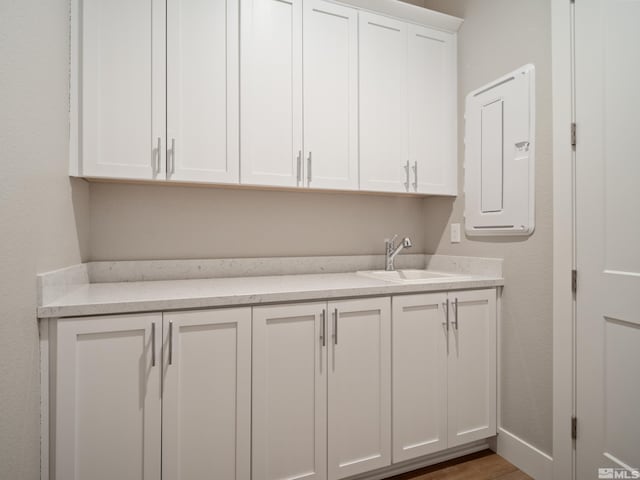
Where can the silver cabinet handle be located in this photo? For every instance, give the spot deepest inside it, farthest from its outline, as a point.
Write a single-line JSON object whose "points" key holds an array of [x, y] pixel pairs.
{"points": [[415, 174], [170, 343], [309, 174], [157, 168], [335, 326], [407, 170], [153, 344], [323, 328], [171, 170], [445, 305], [455, 318], [299, 166]]}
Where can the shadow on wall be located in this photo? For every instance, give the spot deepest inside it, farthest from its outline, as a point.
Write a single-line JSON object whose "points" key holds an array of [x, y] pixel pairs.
{"points": [[81, 211]]}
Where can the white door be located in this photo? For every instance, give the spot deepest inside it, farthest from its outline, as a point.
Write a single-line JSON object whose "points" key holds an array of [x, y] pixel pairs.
{"points": [[122, 88], [203, 110], [206, 409], [359, 407], [608, 236], [289, 421], [472, 366], [330, 95], [419, 375], [271, 92], [384, 152], [108, 400], [432, 111]]}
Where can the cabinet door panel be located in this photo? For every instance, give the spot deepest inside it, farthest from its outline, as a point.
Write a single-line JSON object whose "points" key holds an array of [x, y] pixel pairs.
{"points": [[419, 349], [432, 111], [108, 405], [271, 90], [472, 366], [203, 90], [359, 406], [207, 395], [122, 88], [383, 104], [289, 393], [330, 95]]}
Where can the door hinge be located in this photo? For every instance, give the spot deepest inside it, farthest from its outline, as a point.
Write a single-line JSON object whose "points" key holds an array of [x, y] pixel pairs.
{"points": [[574, 281], [574, 427], [573, 135]]}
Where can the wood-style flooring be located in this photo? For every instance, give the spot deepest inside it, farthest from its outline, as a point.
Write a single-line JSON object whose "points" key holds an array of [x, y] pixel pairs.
{"points": [[484, 465]]}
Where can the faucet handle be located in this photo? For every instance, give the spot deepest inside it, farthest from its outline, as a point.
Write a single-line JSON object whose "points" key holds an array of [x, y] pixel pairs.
{"points": [[391, 241]]}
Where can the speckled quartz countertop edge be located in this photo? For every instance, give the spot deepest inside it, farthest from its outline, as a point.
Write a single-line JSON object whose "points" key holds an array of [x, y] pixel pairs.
{"points": [[165, 295]]}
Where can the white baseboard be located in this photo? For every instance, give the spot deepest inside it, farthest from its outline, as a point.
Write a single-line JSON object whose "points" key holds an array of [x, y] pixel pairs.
{"points": [[526, 457], [410, 465]]}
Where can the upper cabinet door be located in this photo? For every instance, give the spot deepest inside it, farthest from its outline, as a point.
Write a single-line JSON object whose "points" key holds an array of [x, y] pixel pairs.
{"points": [[107, 404], [203, 91], [432, 111], [271, 91], [384, 157], [330, 95], [206, 409], [359, 405], [472, 366], [118, 88]]}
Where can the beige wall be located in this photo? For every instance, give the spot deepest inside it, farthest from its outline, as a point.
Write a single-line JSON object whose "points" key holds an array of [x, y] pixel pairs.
{"points": [[43, 216], [159, 222], [497, 37]]}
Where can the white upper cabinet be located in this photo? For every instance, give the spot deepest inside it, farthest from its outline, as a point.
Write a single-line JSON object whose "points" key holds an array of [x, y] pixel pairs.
{"points": [[118, 89], [432, 91], [271, 91], [384, 155], [330, 95], [203, 91]]}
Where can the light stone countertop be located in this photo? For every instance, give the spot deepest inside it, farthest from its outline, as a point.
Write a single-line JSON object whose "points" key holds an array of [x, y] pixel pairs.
{"points": [[87, 299]]}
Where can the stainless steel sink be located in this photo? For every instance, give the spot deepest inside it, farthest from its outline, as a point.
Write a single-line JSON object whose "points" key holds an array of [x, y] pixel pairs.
{"points": [[410, 276]]}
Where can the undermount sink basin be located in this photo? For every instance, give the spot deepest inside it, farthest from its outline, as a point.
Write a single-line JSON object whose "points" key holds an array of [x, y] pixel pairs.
{"points": [[409, 276]]}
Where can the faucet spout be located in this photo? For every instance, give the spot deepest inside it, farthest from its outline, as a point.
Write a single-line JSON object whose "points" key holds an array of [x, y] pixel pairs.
{"points": [[391, 251]]}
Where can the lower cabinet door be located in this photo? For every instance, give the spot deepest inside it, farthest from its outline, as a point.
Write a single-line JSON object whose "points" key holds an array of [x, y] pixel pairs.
{"points": [[207, 395], [359, 406], [419, 332], [289, 392], [472, 366], [108, 399]]}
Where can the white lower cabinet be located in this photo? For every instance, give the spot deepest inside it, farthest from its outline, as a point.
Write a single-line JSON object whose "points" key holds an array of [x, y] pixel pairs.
{"points": [[298, 391], [113, 420], [444, 371], [108, 398], [321, 389], [206, 402]]}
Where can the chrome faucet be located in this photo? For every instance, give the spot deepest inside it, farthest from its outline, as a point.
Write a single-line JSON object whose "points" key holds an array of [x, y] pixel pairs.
{"points": [[391, 250]]}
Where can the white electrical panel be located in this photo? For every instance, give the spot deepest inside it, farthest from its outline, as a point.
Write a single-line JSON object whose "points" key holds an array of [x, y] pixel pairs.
{"points": [[499, 164]]}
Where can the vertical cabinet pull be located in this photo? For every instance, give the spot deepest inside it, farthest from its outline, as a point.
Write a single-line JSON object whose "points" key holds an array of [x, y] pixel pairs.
{"points": [[445, 324], [299, 167], [172, 168], [415, 175], [309, 174], [170, 343], [407, 171], [455, 318], [323, 328], [157, 168], [335, 326], [153, 344]]}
